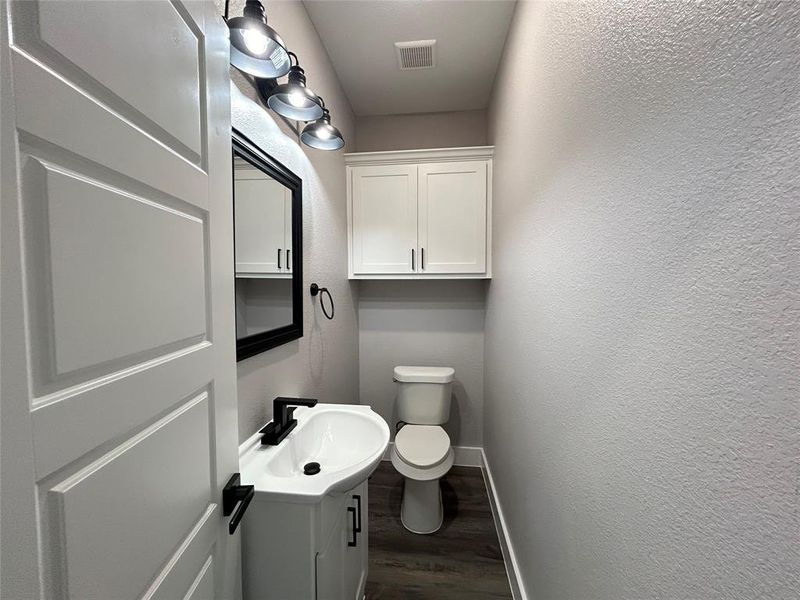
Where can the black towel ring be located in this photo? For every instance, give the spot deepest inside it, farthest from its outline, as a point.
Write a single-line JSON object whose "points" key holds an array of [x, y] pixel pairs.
{"points": [[315, 289]]}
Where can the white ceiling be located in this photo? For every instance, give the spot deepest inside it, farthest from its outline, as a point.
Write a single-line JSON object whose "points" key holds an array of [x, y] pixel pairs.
{"points": [[360, 35]]}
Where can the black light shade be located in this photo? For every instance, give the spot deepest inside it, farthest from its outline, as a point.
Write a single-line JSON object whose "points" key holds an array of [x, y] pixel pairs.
{"points": [[294, 100], [321, 134], [255, 47]]}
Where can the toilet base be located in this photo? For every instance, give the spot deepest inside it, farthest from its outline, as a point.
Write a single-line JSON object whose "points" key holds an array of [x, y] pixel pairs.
{"points": [[421, 511]]}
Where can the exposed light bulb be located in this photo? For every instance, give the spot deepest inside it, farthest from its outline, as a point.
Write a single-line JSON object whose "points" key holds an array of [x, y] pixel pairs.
{"points": [[297, 99], [323, 133], [255, 40]]}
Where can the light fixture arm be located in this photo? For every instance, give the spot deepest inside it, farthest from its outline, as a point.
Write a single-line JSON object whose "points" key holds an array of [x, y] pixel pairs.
{"points": [[292, 55], [254, 10]]}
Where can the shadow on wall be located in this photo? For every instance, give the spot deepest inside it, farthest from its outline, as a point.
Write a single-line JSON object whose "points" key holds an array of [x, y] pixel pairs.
{"points": [[321, 364], [256, 123], [315, 353], [426, 323]]}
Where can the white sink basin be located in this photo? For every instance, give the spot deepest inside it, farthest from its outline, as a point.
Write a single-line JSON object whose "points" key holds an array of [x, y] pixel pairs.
{"points": [[348, 441]]}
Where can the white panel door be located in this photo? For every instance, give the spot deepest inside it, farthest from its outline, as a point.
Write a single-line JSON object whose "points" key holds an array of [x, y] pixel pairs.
{"points": [[259, 208], [452, 217], [384, 219], [118, 382]]}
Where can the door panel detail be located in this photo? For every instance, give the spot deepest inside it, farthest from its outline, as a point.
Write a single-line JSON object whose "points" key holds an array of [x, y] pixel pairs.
{"points": [[119, 410]]}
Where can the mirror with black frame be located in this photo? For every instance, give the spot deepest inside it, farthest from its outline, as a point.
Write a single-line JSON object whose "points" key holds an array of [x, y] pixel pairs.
{"points": [[268, 250]]}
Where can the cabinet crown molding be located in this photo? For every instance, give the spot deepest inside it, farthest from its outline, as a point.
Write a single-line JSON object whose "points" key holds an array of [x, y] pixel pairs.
{"points": [[395, 157]]}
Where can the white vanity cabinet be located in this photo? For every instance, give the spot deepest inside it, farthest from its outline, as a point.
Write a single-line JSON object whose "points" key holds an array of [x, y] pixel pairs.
{"points": [[420, 214], [313, 551], [341, 564], [263, 225]]}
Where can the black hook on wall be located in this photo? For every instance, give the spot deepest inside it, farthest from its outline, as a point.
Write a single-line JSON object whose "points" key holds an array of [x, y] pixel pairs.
{"points": [[315, 290]]}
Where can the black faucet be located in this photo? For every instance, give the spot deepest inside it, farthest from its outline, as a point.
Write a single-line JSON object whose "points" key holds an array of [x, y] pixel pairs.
{"points": [[282, 422]]}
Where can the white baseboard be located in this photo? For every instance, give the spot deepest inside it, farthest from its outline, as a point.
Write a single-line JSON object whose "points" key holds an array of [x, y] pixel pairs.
{"points": [[509, 556], [465, 456], [473, 456]]}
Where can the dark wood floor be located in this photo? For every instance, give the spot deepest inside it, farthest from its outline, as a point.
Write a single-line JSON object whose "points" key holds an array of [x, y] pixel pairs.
{"points": [[461, 561]]}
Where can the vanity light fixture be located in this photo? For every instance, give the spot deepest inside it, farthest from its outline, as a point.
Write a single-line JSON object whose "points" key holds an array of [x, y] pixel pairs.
{"points": [[256, 48], [320, 134], [293, 99]]}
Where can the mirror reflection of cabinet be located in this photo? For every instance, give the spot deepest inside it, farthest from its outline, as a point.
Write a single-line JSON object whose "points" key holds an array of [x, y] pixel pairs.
{"points": [[267, 209], [263, 223], [260, 222]]}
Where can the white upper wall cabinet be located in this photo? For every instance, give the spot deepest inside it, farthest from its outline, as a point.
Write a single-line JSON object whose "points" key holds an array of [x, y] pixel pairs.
{"points": [[420, 214]]}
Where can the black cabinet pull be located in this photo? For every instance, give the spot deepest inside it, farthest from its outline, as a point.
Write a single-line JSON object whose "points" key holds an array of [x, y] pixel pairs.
{"points": [[354, 542], [422, 259], [279, 258], [357, 498], [288, 259], [233, 494], [412, 259]]}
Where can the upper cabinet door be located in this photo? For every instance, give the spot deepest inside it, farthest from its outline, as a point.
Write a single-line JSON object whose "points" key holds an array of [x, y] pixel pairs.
{"points": [[384, 219], [452, 217], [259, 210]]}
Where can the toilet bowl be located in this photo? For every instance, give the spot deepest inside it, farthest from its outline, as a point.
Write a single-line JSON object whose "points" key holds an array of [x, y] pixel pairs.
{"points": [[422, 451], [422, 454]]}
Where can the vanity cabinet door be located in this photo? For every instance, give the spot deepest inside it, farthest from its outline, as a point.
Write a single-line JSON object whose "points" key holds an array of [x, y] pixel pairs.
{"points": [[384, 219], [330, 565], [357, 557], [259, 213], [452, 217]]}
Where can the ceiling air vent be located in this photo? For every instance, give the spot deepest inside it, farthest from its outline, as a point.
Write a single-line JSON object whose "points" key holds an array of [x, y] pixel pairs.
{"points": [[416, 55]]}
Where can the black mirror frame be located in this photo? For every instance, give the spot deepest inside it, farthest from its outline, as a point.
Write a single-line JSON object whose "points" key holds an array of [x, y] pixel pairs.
{"points": [[261, 342]]}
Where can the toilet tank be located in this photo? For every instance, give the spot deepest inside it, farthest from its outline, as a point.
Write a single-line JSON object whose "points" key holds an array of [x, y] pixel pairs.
{"points": [[423, 394]]}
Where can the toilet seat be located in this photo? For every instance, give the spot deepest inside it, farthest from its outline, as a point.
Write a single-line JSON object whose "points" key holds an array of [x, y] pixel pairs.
{"points": [[422, 446]]}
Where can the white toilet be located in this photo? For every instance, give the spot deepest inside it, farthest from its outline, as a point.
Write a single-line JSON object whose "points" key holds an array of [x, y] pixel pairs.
{"points": [[422, 452]]}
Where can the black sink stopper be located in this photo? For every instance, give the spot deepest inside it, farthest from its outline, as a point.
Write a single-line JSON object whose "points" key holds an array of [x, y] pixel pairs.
{"points": [[311, 468]]}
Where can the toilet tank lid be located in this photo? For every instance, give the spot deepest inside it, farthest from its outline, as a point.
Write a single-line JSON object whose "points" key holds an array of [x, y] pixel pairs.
{"points": [[424, 374]]}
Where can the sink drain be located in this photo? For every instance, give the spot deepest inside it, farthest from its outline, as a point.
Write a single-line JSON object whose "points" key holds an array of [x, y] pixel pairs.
{"points": [[311, 468]]}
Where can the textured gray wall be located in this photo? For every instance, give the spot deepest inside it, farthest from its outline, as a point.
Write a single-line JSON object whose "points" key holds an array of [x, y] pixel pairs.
{"points": [[429, 323], [425, 130], [642, 324], [324, 363]]}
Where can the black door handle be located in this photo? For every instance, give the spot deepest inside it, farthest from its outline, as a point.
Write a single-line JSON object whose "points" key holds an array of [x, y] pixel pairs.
{"points": [[279, 258], [288, 259], [422, 259], [354, 542], [233, 494], [357, 498], [412, 259]]}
